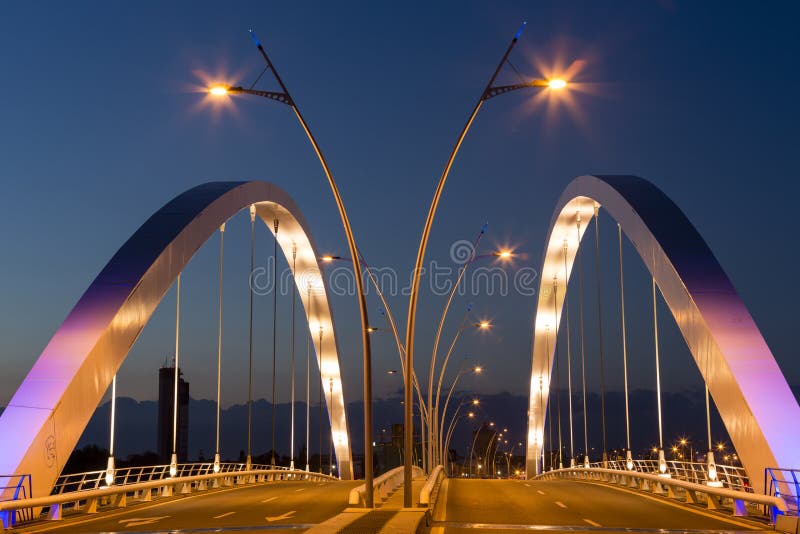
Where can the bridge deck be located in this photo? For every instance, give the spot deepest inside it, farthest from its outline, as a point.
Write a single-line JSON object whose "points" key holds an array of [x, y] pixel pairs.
{"points": [[295, 505], [558, 505]]}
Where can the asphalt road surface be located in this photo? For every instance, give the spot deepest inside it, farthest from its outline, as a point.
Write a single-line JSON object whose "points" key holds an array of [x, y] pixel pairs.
{"points": [[280, 507], [468, 506]]}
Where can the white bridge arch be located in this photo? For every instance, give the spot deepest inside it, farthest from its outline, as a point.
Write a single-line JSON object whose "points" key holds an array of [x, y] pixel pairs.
{"points": [[49, 411], [757, 407]]}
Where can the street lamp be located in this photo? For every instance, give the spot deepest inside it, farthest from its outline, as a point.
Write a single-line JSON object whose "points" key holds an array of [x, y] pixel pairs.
{"points": [[285, 98], [433, 424], [442, 448], [489, 92], [433, 402], [387, 314]]}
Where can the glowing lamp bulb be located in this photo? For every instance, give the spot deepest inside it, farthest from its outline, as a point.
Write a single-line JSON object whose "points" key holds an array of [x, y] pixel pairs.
{"points": [[218, 90], [557, 83]]}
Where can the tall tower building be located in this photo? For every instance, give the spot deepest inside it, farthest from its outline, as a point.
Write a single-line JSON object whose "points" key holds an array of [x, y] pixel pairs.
{"points": [[166, 389]]}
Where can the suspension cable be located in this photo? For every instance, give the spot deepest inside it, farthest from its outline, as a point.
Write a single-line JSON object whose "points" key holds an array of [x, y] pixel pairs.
{"points": [[110, 474], [550, 401], [113, 414], [583, 352], [658, 368], [330, 446], [274, 329], [624, 342], [308, 383], [250, 369], [549, 418], [319, 406], [219, 338], [600, 328], [708, 420], [294, 298], [569, 355], [558, 372], [173, 460]]}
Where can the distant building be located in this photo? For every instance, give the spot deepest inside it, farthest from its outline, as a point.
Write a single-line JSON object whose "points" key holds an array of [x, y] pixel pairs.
{"points": [[388, 452], [166, 391]]}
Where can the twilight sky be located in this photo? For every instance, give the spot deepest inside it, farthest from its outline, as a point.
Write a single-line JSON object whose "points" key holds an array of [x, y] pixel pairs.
{"points": [[102, 123]]}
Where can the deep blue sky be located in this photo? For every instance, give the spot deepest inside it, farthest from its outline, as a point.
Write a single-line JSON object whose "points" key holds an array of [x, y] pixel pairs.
{"points": [[100, 126]]}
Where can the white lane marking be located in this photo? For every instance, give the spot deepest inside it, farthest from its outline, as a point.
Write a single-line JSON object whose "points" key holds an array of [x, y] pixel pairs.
{"points": [[301, 489], [593, 523], [287, 515], [136, 521], [220, 516], [270, 499], [540, 492], [561, 504], [527, 485]]}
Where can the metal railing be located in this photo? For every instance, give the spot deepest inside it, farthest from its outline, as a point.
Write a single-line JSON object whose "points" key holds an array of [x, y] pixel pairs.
{"points": [[91, 501], [733, 477], [741, 503], [785, 483], [430, 485], [91, 480], [14, 488], [382, 486]]}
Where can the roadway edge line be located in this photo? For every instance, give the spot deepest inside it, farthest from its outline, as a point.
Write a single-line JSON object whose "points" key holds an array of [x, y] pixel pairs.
{"points": [[754, 525]]}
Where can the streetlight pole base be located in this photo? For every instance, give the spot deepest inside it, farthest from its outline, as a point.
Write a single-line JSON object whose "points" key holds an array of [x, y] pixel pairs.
{"points": [[173, 465], [110, 471]]}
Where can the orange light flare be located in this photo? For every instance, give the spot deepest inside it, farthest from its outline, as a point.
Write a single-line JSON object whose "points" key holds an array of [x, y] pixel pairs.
{"points": [[507, 253], [215, 101], [558, 97]]}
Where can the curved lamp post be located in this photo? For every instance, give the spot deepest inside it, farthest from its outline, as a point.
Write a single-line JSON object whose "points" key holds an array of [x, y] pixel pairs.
{"points": [[453, 422], [489, 92], [285, 98], [433, 402], [392, 325], [435, 437], [441, 443]]}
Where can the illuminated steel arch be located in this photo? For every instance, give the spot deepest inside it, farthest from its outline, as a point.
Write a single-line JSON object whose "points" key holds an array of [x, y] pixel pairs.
{"points": [[748, 388], [49, 411]]}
